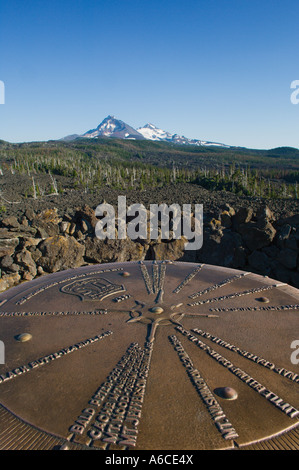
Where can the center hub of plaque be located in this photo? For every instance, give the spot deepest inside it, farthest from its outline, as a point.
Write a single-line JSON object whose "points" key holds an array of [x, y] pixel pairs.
{"points": [[155, 316], [157, 310]]}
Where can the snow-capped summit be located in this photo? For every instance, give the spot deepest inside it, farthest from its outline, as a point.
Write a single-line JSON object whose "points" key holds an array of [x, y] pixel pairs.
{"points": [[112, 127], [151, 132]]}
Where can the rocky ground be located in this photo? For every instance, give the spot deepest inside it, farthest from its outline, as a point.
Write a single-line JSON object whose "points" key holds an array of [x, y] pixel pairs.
{"points": [[15, 187], [52, 233]]}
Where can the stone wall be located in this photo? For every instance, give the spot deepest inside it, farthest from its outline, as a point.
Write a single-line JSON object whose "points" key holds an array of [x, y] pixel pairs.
{"points": [[39, 243]]}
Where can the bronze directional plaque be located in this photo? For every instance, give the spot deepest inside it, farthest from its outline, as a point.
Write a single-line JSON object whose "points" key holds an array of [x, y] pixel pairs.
{"points": [[149, 356]]}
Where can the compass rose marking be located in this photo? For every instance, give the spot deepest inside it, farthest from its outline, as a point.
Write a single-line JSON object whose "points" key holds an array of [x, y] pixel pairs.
{"points": [[159, 271], [113, 413], [155, 283], [217, 286], [188, 279], [236, 294], [38, 314], [23, 369], [153, 329], [217, 414], [252, 357], [156, 276], [256, 309], [146, 278], [196, 315], [271, 397], [153, 324], [155, 316]]}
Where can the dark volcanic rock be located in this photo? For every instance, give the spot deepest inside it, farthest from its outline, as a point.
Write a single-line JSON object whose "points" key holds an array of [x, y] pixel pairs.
{"points": [[10, 222], [6, 261], [222, 249], [259, 261], [243, 216], [264, 215], [47, 223], [105, 251], [271, 251], [85, 218], [279, 272], [60, 253], [9, 280], [257, 236], [33, 243], [288, 258], [173, 250], [26, 263], [8, 245]]}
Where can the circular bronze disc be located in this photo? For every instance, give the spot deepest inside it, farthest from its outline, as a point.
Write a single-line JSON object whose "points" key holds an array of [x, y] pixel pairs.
{"points": [[135, 361]]}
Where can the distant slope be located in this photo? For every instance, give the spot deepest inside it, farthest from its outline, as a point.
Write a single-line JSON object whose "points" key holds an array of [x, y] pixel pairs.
{"points": [[151, 132], [112, 127], [115, 128]]}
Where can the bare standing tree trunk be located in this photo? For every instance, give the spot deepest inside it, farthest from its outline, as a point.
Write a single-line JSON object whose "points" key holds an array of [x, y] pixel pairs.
{"points": [[34, 189], [54, 184]]}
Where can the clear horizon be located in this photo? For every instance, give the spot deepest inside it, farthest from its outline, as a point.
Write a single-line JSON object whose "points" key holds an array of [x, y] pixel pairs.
{"points": [[209, 70]]}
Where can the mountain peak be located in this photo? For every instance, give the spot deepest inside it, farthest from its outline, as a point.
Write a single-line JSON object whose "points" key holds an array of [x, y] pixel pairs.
{"points": [[149, 126], [151, 132], [113, 127]]}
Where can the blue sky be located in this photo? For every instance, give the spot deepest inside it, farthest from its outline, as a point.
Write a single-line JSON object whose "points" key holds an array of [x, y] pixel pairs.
{"points": [[219, 70]]}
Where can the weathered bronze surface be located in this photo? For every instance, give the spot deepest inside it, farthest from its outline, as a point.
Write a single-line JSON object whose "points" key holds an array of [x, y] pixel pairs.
{"points": [[149, 355]]}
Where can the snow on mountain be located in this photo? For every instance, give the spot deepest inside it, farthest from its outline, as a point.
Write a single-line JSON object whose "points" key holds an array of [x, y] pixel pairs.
{"points": [[113, 127], [151, 132]]}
